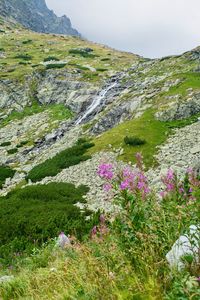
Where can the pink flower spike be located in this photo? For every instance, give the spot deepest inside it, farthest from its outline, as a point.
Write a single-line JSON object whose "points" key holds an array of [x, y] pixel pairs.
{"points": [[107, 187], [106, 171], [124, 185]]}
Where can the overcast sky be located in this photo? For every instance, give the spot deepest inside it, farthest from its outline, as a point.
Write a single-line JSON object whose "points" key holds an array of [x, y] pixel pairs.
{"points": [[151, 28]]}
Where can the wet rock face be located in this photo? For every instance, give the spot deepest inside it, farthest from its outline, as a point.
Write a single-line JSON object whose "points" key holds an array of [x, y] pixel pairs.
{"points": [[35, 15], [49, 88]]}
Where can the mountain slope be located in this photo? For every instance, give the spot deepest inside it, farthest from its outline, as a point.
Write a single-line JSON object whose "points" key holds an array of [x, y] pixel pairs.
{"points": [[35, 15]]}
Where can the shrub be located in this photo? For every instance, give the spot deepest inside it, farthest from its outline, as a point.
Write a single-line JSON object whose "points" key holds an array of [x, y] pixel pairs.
{"points": [[134, 141], [55, 66], [69, 157], [105, 59], [24, 56], [34, 214], [27, 42], [23, 63], [12, 151], [82, 52], [101, 69], [4, 144], [22, 143], [5, 172], [50, 58]]}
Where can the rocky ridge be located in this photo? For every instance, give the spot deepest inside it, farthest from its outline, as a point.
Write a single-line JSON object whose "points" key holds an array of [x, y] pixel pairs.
{"points": [[35, 15]]}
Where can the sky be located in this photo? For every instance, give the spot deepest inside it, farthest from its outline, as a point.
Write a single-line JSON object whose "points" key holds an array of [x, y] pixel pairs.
{"points": [[151, 28]]}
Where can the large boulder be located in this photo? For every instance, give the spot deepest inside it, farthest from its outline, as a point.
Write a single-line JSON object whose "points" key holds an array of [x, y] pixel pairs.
{"points": [[186, 245]]}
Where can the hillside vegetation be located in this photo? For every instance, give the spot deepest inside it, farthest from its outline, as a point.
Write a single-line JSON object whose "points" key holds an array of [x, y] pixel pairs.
{"points": [[99, 170]]}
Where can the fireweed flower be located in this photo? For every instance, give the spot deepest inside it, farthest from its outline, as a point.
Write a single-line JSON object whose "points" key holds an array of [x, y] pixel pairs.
{"points": [[94, 231], [124, 185], [107, 187], [106, 171], [102, 219], [139, 161]]}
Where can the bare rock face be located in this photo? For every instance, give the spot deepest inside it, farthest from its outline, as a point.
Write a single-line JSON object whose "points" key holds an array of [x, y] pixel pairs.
{"points": [[35, 15]]}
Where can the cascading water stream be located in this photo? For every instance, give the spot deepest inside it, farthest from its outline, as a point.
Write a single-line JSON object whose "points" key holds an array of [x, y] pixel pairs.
{"points": [[96, 102]]}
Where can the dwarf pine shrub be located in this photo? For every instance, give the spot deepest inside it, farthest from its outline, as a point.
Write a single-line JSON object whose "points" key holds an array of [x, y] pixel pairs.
{"points": [[50, 58], [55, 66], [5, 144], [34, 214], [65, 159], [5, 172], [134, 141]]}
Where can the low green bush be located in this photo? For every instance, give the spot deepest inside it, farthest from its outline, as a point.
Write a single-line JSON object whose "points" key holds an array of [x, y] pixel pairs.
{"points": [[105, 59], [50, 58], [134, 141], [35, 214], [12, 151], [27, 42], [82, 52], [24, 56], [55, 66], [5, 172], [101, 69], [4, 144], [22, 143], [24, 63], [69, 157]]}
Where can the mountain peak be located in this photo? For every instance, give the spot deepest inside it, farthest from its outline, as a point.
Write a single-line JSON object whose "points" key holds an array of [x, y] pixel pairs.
{"points": [[35, 15]]}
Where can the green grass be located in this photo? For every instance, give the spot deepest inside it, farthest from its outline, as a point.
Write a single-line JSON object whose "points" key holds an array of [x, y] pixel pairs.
{"points": [[69, 157], [34, 214], [146, 127], [57, 112], [30, 45], [5, 172], [189, 80]]}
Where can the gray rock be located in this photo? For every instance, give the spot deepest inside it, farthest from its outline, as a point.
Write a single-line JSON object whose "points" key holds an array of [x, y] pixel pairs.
{"points": [[186, 245], [6, 278], [195, 150]]}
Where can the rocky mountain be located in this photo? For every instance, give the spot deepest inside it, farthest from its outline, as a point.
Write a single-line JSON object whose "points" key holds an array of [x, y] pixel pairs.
{"points": [[70, 108], [35, 15]]}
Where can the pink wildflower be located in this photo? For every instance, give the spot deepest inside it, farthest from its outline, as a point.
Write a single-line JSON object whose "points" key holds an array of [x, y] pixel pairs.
{"points": [[106, 171], [107, 187]]}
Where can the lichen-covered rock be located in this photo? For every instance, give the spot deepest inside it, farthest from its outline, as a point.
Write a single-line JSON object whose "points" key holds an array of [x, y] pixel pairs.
{"points": [[186, 245]]}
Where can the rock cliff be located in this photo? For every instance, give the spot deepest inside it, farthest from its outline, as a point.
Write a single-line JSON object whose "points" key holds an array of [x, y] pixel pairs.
{"points": [[35, 15]]}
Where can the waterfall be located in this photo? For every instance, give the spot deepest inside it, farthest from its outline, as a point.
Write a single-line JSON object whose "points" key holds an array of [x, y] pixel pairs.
{"points": [[96, 102]]}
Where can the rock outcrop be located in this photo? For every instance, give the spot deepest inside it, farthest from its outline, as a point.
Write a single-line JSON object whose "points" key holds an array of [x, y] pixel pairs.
{"points": [[35, 15]]}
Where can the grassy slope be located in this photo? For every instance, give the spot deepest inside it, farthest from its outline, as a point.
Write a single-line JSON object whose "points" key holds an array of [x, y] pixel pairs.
{"points": [[40, 46], [146, 127], [57, 112]]}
